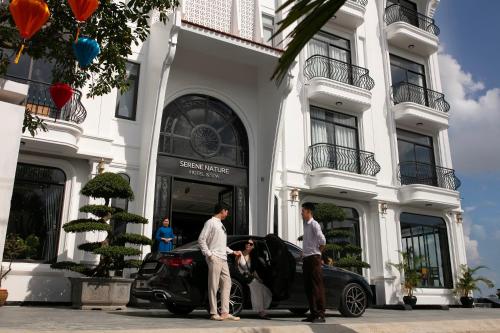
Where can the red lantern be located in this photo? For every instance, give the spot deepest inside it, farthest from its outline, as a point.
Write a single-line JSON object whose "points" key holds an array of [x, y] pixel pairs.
{"points": [[61, 93], [29, 17], [82, 10]]}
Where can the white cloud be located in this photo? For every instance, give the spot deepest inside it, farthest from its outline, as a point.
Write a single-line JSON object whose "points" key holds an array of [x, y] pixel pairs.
{"points": [[469, 209], [497, 235], [474, 119], [471, 245]]}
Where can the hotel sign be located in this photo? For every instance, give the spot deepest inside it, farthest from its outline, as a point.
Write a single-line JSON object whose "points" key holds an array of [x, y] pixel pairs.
{"points": [[197, 170]]}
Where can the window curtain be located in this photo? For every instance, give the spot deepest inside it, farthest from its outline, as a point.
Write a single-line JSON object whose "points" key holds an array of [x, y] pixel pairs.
{"points": [[319, 128], [52, 202]]}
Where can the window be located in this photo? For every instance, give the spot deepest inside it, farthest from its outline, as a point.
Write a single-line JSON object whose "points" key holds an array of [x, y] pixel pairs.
{"points": [[330, 46], [127, 102], [403, 70], [334, 140], [35, 212], [28, 69], [268, 29], [416, 158], [426, 237]]}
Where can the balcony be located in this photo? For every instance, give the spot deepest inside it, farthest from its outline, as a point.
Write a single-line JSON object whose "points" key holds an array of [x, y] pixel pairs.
{"points": [[408, 29], [334, 82], [428, 185], [340, 170], [352, 14], [63, 126], [416, 106]]}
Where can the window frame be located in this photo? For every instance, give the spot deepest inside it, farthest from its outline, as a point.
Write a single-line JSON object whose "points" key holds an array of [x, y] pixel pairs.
{"points": [[272, 27], [423, 74], [415, 143], [133, 117], [440, 230], [328, 38], [333, 123]]}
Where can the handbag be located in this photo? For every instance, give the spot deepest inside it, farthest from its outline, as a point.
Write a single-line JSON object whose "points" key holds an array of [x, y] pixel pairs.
{"points": [[247, 276]]}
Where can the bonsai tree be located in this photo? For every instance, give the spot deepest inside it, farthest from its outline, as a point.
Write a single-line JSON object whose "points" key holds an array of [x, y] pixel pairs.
{"points": [[14, 247], [468, 282], [339, 251], [407, 266], [113, 250]]}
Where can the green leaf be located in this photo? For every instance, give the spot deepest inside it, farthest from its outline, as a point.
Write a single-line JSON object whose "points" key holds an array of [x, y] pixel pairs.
{"points": [[117, 251], [90, 247], [310, 16], [124, 217], [108, 185], [84, 225], [132, 263], [71, 266], [326, 212], [133, 239], [97, 210]]}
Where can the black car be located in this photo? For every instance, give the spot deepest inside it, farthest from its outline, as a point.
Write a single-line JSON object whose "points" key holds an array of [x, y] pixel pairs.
{"points": [[179, 279]]}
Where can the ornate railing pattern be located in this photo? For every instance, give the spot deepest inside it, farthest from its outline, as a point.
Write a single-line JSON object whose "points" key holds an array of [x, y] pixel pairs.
{"points": [[398, 13], [408, 92], [40, 103], [361, 2], [322, 66], [427, 174], [326, 155], [214, 14]]}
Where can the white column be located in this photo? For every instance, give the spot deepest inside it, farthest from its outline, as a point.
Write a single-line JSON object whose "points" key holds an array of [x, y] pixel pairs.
{"points": [[11, 95], [235, 18]]}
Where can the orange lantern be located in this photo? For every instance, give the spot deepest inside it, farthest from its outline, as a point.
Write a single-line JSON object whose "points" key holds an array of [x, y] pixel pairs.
{"points": [[29, 17], [82, 10]]}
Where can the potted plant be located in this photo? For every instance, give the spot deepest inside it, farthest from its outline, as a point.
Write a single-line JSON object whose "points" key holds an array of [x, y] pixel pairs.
{"points": [[498, 293], [468, 282], [14, 247], [407, 266], [104, 287]]}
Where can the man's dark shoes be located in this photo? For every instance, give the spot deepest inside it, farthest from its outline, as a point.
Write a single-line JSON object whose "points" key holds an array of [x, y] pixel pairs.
{"points": [[307, 320], [318, 320]]}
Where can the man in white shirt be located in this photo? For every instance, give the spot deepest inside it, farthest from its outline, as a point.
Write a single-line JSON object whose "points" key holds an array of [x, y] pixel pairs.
{"points": [[213, 244], [313, 244]]}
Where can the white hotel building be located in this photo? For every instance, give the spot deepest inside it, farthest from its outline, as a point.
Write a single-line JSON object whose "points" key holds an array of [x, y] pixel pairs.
{"points": [[360, 122]]}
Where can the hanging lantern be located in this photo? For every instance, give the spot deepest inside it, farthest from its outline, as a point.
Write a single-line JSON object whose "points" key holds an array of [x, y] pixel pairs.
{"points": [[82, 10], [29, 17], [86, 49], [61, 93]]}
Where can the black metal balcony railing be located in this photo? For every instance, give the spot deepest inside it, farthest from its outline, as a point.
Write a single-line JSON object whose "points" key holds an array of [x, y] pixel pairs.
{"points": [[408, 92], [398, 13], [361, 2], [325, 155], [427, 174], [40, 103], [322, 66]]}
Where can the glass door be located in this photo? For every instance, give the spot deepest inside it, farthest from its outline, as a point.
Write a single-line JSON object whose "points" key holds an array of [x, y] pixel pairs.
{"points": [[416, 158]]}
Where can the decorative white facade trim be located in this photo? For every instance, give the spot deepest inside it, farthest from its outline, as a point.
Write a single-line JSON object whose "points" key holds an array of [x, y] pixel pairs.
{"points": [[429, 196], [419, 116], [407, 36], [344, 96], [351, 15]]}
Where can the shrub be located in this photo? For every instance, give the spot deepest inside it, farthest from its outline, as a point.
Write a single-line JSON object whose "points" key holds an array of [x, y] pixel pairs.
{"points": [[112, 250]]}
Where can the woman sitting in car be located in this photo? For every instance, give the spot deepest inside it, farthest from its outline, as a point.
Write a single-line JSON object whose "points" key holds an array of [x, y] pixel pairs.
{"points": [[260, 295]]}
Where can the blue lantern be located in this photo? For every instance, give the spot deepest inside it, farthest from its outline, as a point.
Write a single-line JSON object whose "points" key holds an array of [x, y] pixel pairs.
{"points": [[86, 49]]}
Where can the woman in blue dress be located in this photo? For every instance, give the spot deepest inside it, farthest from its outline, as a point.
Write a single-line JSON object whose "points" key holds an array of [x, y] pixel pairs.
{"points": [[165, 236]]}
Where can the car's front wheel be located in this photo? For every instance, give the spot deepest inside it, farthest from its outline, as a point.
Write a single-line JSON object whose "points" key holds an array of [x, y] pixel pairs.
{"points": [[236, 298], [180, 310], [354, 300]]}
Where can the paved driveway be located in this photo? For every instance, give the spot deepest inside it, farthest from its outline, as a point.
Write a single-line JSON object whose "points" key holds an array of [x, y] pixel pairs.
{"points": [[48, 319]]}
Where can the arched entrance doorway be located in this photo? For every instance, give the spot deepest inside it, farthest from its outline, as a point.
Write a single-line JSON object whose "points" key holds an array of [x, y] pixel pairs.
{"points": [[202, 160]]}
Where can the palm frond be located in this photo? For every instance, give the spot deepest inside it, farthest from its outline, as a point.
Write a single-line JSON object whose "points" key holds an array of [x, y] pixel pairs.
{"points": [[312, 16], [485, 280]]}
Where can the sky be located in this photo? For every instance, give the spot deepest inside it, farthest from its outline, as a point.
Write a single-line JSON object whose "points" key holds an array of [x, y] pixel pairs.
{"points": [[470, 75]]}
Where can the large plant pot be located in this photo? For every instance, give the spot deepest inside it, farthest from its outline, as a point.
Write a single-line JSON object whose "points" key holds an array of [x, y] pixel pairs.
{"points": [[410, 300], [3, 296], [467, 302], [100, 293]]}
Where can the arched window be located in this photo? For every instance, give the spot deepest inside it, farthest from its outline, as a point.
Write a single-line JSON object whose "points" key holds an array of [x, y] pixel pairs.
{"points": [[204, 128], [35, 212], [427, 237]]}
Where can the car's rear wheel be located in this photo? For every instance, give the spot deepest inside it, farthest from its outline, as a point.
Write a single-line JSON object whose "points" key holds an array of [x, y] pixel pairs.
{"points": [[236, 299], [180, 310], [354, 300], [298, 312]]}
